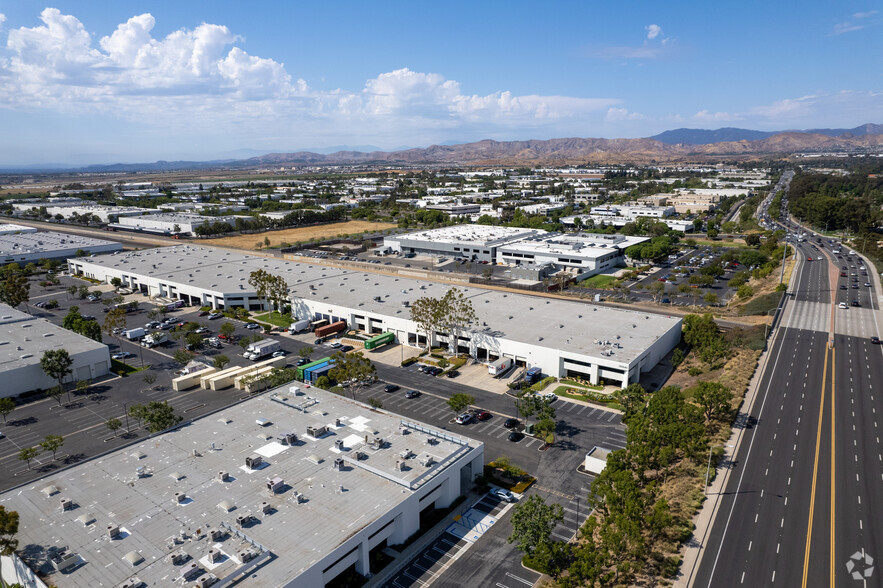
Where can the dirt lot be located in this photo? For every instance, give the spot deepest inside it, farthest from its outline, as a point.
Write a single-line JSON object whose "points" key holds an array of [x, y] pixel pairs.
{"points": [[300, 234]]}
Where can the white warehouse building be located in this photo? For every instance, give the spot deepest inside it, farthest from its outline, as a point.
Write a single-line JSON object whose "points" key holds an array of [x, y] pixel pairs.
{"points": [[478, 242], [561, 337], [286, 490], [24, 248], [24, 339], [168, 223]]}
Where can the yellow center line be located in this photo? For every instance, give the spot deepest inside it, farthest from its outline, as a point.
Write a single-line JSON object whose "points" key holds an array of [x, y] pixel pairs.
{"points": [[833, 463], [815, 471]]}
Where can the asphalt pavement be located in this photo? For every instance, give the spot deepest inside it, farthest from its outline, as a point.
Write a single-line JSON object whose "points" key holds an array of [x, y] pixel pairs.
{"points": [[801, 506]]}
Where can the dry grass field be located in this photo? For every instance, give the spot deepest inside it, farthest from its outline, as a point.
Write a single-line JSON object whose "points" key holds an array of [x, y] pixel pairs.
{"points": [[300, 234]]}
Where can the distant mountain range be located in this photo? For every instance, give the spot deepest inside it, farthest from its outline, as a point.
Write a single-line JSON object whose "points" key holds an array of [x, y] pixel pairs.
{"points": [[679, 145], [706, 137]]}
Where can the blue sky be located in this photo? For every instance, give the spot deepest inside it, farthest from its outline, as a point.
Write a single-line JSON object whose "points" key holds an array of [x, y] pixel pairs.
{"points": [[102, 81]]}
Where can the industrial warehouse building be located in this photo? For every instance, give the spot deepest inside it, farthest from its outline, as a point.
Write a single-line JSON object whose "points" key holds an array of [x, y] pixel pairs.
{"points": [[563, 338], [24, 339], [24, 248], [286, 490], [170, 223], [581, 255]]}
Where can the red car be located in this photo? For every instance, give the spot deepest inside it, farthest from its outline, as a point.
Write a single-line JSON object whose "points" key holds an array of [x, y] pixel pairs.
{"points": [[482, 415]]}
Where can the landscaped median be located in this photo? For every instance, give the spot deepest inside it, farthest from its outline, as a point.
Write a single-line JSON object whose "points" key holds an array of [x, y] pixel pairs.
{"points": [[506, 475]]}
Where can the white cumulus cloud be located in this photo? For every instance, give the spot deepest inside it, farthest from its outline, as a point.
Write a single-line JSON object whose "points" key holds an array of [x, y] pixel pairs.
{"points": [[653, 31], [620, 114]]}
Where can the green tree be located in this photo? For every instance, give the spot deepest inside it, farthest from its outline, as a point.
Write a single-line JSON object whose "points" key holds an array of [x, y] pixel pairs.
{"points": [[116, 282], [711, 298], [160, 416], [7, 405], [220, 361], [28, 453], [52, 443], [114, 319], [375, 403], [56, 363], [71, 291], [533, 522], [305, 352], [353, 370], [460, 402], [227, 329], [14, 289], [714, 399], [528, 403], [182, 356], [194, 340], [149, 379], [8, 531], [114, 425], [138, 412], [745, 291]]}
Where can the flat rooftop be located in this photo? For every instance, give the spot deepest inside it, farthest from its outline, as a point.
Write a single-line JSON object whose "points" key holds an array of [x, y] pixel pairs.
{"points": [[574, 327], [135, 489], [479, 235], [24, 339], [6, 228], [48, 242], [584, 245]]}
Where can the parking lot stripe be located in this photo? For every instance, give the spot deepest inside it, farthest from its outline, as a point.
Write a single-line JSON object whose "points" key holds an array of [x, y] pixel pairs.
{"points": [[594, 410], [522, 580], [612, 416]]}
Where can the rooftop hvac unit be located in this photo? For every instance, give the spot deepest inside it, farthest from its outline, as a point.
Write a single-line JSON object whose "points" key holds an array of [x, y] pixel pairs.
{"points": [[358, 455], [214, 555], [113, 531], [377, 443], [253, 461], [66, 504], [245, 556], [244, 520], [289, 439], [399, 465], [178, 557], [316, 431], [338, 464], [405, 454], [266, 508], [338, 444], [131, 583], [216, 535], [275, 485], [297, 497], [190, 571], [223, 476], [180, 497], [427, 461]]}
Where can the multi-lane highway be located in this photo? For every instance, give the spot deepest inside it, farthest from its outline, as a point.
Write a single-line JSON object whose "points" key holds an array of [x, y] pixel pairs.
{"points": [[802, 505]]}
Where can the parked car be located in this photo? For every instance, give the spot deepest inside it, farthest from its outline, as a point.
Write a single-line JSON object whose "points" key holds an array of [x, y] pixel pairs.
{"points": [[516, 436], [503, 495], [550, 397], [452, 374], [122, 355], [201, 330], [875, 340], [510, 423], [279, 353], [412, 394], [302, 361], [390, 388], [482, 415], [215, 315], [464, 419], [433, 371], [335, 345], [252, 326], [345, 348]]}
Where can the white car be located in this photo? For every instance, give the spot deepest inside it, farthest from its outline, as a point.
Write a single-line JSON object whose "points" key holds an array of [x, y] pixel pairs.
{"points": [[842, 305], [550, 397], [503, 495], [464, 418], [215, 315], [279, 353], [334, 345], [201, 330]]}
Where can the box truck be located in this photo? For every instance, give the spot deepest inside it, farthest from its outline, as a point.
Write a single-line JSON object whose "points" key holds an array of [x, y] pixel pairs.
{"points": [[154, 339], [261, 349], [500, 366], [298, 326], [133, 334]]}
